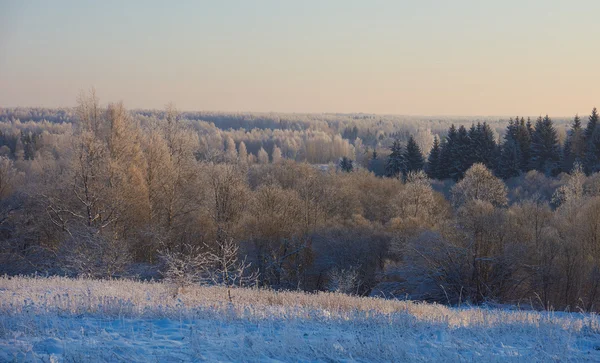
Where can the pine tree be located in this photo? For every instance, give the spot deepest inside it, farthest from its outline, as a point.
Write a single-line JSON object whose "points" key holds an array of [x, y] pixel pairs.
{"points": [[395, 163], [433, 162], [413, 157], [545, 149]]}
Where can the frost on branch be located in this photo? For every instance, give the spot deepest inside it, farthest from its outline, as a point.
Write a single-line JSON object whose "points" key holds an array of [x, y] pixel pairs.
{"points": [[218, 265]]}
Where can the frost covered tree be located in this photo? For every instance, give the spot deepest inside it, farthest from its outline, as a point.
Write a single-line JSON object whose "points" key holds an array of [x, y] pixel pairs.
{"points": [[231, 154], [479, 184], [573, 190], [262, 156], [243, 154], [416, 200], [276, 155]]}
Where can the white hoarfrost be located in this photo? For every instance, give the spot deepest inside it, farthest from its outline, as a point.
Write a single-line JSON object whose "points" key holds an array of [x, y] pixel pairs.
{"points": [[79, 320]]}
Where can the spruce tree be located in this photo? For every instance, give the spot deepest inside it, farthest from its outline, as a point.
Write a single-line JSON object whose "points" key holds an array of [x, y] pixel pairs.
{"points": [[486, 146], [529, 127], [474, 146], [447, 153], [396, 162], [545, 150], [346, 165], [574, 149], [433, 162], [591, 125], [413, 157], [509, 164], [592, 153], [461, 160], [523, 134]]}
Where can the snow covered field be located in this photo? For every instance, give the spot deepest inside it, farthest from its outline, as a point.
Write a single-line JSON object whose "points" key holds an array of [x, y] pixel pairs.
{"points": [[59, 319]]}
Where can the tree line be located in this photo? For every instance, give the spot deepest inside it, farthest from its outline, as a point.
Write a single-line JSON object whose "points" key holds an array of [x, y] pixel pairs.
{"points": [[525, 147], [115, 195]]}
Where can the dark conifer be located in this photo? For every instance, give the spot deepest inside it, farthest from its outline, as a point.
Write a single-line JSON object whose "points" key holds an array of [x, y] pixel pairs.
{"points": [[574, 148], [545, 150], [447, 153], [413, 157], [591, 125], [346, 165], [395, 163], [433, 162], [509, 164], [461, 160], [592, 153]]}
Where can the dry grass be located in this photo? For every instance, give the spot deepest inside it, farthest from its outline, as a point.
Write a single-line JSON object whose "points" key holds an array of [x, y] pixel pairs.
{"points": [[136, 299], [264, 325]]}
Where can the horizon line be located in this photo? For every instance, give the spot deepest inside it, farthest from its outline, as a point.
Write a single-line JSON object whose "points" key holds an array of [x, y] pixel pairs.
{"points": [[301, 112]]}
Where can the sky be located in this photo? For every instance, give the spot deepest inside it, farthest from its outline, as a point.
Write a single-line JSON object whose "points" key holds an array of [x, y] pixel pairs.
{"points": [[460, 57]]}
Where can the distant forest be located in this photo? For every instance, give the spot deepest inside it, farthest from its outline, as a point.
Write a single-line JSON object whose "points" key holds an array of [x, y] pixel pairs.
{"points": [[454, 210]]}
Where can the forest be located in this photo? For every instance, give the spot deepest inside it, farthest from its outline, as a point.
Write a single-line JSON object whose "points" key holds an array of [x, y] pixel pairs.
{"points": [[452, 210]]}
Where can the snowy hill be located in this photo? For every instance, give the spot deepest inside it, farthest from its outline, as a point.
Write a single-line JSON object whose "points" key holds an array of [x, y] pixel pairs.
{"points": [[59, 319]]}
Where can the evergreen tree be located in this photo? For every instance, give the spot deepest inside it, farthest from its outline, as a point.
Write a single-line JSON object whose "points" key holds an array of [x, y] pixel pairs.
{"points": [[413, 157], [592, 153], [592, 122], [460, 158], [396, 162], [529, 127], [545, 150], [474, 146], [447, 153], [576, 123], [433, 162], [522, 138], [346, 165], [486, 147], [574, 148], [509, 164]]}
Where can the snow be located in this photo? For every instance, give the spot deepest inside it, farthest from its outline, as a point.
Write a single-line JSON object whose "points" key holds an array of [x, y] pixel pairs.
{"points": [[63, 320]]}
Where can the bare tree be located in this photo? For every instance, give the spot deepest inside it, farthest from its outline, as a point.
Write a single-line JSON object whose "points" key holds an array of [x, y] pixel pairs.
{"points": [[224, 267]]}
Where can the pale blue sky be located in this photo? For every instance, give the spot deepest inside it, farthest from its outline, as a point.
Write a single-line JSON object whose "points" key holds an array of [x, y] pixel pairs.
{"points": [[404, 57]]}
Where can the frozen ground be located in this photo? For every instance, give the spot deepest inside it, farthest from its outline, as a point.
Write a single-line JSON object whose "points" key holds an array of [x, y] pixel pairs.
{"points": [[83, 320]]}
